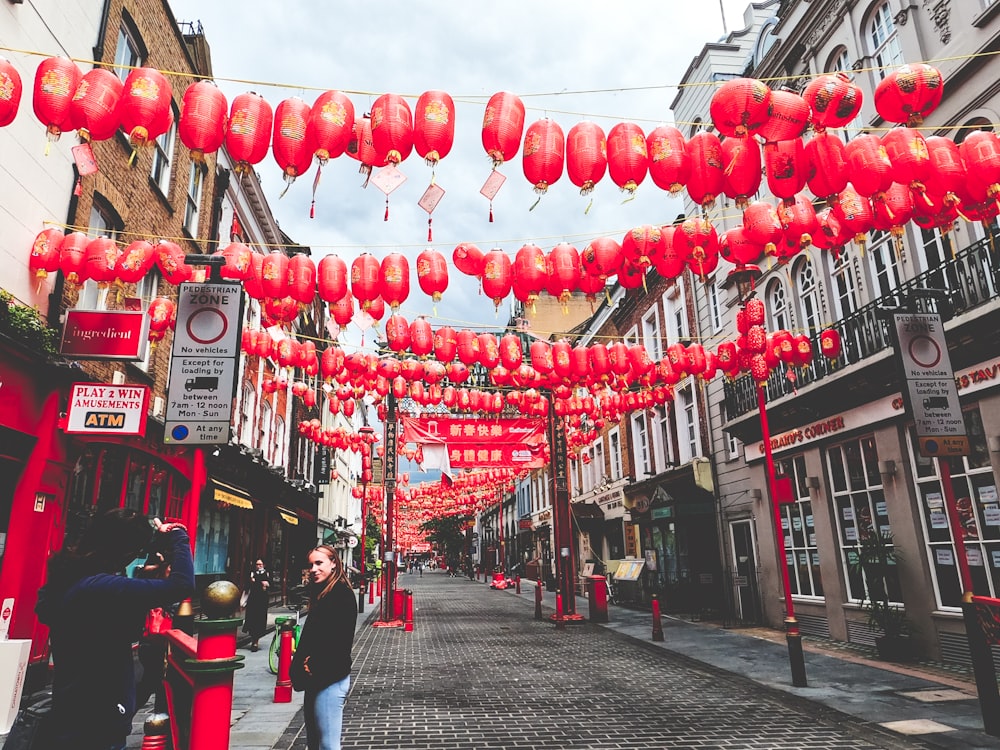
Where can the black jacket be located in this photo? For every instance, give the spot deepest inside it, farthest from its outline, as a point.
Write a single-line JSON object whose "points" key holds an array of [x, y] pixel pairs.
{"points": [[93, 623], [326, 640]]}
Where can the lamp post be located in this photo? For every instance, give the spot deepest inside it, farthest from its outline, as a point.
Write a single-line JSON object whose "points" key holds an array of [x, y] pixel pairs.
{"points": [[366, 433], [744, 277]]}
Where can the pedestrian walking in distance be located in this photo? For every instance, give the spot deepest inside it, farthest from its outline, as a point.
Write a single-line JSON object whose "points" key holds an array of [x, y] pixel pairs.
{"points": [[255, 618], [321, 665]]}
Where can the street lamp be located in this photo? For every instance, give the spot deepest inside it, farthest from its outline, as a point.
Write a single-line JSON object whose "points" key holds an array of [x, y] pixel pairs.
{"points": [[366, 433], [745, 278]]}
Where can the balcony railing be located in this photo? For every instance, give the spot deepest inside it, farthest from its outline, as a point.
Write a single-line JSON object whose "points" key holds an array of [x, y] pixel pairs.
{"points": [[955, 287]]}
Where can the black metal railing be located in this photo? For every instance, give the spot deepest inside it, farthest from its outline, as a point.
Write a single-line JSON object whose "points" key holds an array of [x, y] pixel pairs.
{"points": [[953, 288]]}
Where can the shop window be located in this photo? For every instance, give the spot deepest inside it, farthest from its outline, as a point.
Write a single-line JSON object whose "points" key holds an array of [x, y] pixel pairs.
{"points": [[111, 479], [615, 453], [211, 542], [975, 489], [799, 529], [159, 479], [861, 509], [137, 483]]}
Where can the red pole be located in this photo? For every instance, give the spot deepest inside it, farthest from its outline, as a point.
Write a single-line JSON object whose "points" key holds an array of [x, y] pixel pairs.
{"points": [[517, 584], [283, 685], [538, 600], [560, 620], [408, 622], [792, 634], [657, 623]]}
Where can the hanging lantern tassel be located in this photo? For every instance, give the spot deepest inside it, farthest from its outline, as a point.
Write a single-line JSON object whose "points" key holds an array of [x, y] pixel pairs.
{"points": [[587, 209], [312, 206], [78, 188], [491, 212], [386, 217], [430, 233]]}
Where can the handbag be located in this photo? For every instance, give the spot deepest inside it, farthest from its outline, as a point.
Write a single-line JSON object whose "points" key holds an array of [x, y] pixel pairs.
{"points": [[244, 598], [32, 728]]}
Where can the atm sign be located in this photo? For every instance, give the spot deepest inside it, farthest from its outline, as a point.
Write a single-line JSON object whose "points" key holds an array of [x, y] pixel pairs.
{"points": [[105, 419], [101, 408]]}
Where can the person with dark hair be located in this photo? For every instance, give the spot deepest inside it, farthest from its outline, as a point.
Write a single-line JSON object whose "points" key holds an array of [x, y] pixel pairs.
{"points": [[321, 665], [95, 614], [255, 617]]}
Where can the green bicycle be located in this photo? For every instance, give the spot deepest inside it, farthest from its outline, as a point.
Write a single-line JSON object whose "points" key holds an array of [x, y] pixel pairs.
{"points": [[275, 647]]}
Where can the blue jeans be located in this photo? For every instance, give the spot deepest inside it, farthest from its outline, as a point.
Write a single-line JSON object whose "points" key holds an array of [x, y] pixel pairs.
{"points": [[324, 714]]}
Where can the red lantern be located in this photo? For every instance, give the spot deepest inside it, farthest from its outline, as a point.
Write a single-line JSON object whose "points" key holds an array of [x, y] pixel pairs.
{"points": [[343, 309], [237, 257], [376, 308], [833, 99], [274, 275], [145, 108], [562, 265], [292, 149], [421, 337], [281, 310], [707, 169], [445, 344], [511, 352], [786, 166], [736, 247], [541, 356], [56, 80], [947, 173], [162, 314], [826, 163], [740, 107], [458, 372], [643, 246], [854, 212], [331, 124], [829, 343], [434, 126], [980, 152], [909, 157], [249, 131], [102, 256], [489, 351], [10, 92], [362, 147], [94, 107], [468, 347], [831, 235], [44, 257], [909, 94], [529, 274], [869, 165], [628, 160], [761, 223], [798, 221], [788, 116], [802, 350], [544, 150], [302, 278], [397, 333], [468, 259], [202, 125], [496, 276], [669, 161], [254, 275], [602, 258], [392, 128], [432, 273], [742, 160], [394, 280], [365, 271], [671, 264], [170, 260], [892, 209], [759, 369], [503, 125], [586, 155], [697, 240], [332, 278]]}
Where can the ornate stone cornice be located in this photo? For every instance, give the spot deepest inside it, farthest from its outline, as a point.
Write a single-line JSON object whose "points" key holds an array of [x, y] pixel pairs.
{"points": [[939, 12]]}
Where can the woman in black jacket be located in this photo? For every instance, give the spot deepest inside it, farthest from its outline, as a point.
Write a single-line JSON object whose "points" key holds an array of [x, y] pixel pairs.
{"points": [[255, 617], [321, 665]]}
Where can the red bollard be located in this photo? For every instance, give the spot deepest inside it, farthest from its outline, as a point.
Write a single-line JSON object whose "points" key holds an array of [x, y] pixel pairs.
{"points": [[560, 621], [517, 584], [378, 585], [538, 601], [283, 686], [156, 732], [408, 617], [657, 625], [371, 593]]}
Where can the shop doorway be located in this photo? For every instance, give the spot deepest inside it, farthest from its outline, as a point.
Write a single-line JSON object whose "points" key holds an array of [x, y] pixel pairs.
{"points": [[746, 593]]}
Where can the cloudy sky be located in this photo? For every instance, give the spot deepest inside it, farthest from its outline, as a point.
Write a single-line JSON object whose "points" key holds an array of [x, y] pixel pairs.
{"points": [[568, 60]]}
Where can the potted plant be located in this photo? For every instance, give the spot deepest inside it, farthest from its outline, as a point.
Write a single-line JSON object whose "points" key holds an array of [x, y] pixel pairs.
{"points": [[876, 560]]}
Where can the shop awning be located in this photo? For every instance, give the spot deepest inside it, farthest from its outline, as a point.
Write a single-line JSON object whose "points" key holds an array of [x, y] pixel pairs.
{"points": [[288, 516], [227, 494], [587, 511]]}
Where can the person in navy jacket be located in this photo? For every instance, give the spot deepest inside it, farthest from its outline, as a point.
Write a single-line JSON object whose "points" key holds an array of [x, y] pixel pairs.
{"points": [[95, 614], [321, 665]]}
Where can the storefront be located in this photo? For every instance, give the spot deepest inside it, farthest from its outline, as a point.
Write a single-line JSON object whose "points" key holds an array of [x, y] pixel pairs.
{"points": [[679, 541]]}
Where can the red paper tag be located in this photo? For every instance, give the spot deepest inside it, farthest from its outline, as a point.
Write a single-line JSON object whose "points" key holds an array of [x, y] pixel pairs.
{"points": [[431, 197], [86, 162], [492, 185]]}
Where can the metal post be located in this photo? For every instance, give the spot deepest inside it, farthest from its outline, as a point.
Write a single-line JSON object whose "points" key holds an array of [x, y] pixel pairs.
{"points": [[792, 634]]}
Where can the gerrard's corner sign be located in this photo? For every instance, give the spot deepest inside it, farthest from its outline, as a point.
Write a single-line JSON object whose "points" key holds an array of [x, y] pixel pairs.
{"points": [[102, 409]]}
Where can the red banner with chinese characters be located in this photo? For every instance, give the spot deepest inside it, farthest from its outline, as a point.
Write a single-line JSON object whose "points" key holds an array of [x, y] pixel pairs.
{"points": [[480, 443]]}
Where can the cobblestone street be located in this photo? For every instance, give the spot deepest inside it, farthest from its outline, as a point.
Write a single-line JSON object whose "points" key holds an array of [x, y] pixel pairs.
{"points": [[479, 672]]}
